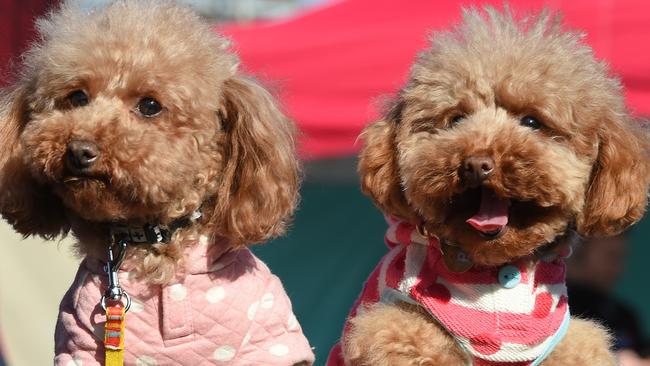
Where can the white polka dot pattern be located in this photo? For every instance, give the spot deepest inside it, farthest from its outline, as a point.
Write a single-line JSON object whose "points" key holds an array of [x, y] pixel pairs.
{"points": [[292, 323], [224, 353], [267, 301], [252, 310], [215, 294], [75, 362], [146, 361], [279, 350], [246, 339], [178, 292], [239, 316], [136, 305]]}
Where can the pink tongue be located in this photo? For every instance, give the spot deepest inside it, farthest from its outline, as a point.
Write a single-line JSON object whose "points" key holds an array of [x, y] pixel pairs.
{"points": [[493, 214]]}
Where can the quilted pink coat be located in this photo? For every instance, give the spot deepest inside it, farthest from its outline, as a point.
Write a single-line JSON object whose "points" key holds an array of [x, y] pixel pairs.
{"points": [[229, 310]]}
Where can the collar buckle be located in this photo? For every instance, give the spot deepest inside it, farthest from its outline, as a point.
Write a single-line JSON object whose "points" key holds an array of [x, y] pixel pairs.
{"points": [[148, 233], [151, 234]]}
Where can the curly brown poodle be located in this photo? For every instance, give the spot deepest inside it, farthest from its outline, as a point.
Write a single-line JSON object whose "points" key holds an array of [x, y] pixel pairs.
{"points": [[136, 116], [508, 138]]}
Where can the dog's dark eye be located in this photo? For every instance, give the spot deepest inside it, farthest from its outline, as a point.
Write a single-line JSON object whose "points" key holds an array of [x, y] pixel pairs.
{"points": [[456, 119], [149, 107], [530, 122], [78, 98]]}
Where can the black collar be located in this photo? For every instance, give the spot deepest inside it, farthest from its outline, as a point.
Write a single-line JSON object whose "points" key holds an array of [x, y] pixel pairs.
{"points": [[149, 233]]}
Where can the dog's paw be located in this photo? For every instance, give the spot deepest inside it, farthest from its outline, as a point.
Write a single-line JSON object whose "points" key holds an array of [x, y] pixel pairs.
{"points": [[386, 335]]}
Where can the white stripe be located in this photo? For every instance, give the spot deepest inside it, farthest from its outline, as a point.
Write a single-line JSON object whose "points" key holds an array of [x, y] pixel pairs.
{"points": [[381, 279], [512, 352], [419, 239], [391, 233], [415, 256], [495, 298], [491, 298]]}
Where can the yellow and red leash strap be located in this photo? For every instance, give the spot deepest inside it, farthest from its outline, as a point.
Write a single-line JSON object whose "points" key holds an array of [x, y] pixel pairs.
{"points": [[115, 315], [114, 335]]}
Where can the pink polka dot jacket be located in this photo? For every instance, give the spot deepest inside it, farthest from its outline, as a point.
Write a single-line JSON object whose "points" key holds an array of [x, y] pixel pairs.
{"points": [[511, 315], [229, 310]]}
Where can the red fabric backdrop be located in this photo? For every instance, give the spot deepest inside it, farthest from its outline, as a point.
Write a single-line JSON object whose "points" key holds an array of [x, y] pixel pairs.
{"points": [[17, 29], [331, 65]]}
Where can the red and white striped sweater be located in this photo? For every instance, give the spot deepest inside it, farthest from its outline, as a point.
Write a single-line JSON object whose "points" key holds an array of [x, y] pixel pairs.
{"points": [[510, 315]]}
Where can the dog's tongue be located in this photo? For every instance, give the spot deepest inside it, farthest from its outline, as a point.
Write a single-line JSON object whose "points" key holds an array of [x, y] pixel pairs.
{"points": [[493, 214]]}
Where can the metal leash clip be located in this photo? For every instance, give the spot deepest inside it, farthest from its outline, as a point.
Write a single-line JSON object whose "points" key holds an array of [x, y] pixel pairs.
{"points": [[116, 254]]}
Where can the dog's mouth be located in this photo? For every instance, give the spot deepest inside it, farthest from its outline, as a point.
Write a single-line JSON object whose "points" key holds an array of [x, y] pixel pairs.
{"points": [[490, 219], [80, 178]]}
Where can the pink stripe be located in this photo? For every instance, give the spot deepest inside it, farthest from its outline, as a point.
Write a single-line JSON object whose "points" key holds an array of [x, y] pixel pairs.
{"points": [[370, 293], [512, 327], [336, 356], [549, 273], [481, 362], [371, 290], [486, 329], [403, 233], [395, 270]]}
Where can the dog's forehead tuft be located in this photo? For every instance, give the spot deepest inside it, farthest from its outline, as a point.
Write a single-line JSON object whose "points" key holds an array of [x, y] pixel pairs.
{"points": [[144, 19], [130, 34], [530, 64], [496, 45]]}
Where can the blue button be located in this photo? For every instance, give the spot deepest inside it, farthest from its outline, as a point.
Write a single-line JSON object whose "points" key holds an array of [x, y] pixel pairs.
{"points": [[509, 276]]}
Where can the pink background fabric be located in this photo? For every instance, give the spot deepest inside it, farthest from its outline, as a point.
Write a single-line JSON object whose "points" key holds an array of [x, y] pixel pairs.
{"points": [[230, 311], [333, 66]]}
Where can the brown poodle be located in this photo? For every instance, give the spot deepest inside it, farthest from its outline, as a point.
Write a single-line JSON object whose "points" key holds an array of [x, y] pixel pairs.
{"points": [[130, 127], [507, 140]]}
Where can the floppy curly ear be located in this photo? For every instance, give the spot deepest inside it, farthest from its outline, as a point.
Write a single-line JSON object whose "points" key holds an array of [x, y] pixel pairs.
{"points": [[378, 168], [27, 205], [617, 195], [259, 187]]}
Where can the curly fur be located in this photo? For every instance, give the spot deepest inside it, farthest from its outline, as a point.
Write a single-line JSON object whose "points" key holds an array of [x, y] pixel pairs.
{"points": [[588, 164], [404, 335], [587, 168], [386, 335], [220, 144]]}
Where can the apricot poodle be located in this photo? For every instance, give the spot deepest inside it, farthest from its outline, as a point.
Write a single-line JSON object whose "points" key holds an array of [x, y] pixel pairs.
{"points": [[508, 139], [131, 129]]}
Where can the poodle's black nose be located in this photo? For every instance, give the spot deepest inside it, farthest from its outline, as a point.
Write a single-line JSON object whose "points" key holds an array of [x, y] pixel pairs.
{"points": [[477, 169], [81, 155]]}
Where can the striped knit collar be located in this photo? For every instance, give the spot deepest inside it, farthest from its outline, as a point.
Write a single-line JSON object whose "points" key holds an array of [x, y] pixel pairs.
{"points": [[456, 260]]}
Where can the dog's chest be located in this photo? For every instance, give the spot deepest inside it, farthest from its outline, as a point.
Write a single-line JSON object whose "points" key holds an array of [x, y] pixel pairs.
{"points": [[512, 313], [236, 313]]}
